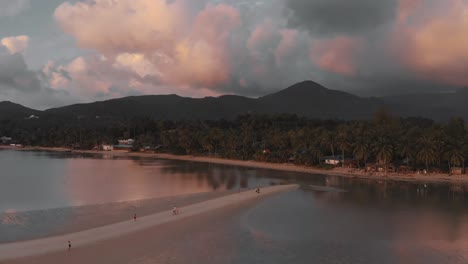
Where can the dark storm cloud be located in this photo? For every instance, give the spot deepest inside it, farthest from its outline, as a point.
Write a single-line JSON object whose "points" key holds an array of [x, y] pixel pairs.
{"points": [[14, 74], [340, 16]]}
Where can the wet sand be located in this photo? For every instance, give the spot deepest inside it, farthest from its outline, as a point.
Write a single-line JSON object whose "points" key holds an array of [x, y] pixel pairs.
{"points": [[125, 241], [18, 226], [344, 172]]}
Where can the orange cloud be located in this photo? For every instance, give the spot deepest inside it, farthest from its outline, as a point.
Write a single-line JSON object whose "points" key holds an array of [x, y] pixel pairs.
{"points": [[336, 54], [15, 44], [202, 58], [157, 38], [436, 46]]}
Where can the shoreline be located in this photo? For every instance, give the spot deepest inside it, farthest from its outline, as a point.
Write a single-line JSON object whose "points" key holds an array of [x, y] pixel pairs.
{"points": [[24, 225], [342, 172], [113, 232]]}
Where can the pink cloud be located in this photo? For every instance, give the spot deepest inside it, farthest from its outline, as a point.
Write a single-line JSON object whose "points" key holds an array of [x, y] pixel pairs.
{"points": [[202, 59], [156, 38], [435, 47], [262, 33], [336, 55], [16, 44], [287, 43]]}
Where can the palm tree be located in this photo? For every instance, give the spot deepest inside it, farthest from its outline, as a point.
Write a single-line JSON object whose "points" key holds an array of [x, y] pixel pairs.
{"points": [[383, 149], [361, 151], [427, 151], [343, 139], [454, 156], [327, 139]]}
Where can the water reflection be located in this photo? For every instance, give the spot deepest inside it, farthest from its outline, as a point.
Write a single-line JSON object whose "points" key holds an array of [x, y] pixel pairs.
{"points": [[43, 180], [368, 210], [325, 227]]}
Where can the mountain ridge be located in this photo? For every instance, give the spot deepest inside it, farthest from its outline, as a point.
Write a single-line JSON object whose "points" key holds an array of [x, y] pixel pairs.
{"points": [[307, 98]]}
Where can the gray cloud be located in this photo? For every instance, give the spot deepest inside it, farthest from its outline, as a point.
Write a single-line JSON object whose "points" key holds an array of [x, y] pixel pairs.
{"points": [[14, 74], [340, 16], [20, 84], [13, 7]]}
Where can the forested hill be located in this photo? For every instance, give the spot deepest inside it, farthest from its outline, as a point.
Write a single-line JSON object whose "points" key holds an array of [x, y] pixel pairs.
{"points": [[306, 99], [9, 110]]}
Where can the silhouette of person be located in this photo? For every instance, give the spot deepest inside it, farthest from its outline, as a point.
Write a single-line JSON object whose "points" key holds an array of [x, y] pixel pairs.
{"points": [[134, 217], [69, 245]]}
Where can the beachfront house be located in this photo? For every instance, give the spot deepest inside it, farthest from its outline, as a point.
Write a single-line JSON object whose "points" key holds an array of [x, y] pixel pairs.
{"points": [[105, 147], [126, 141], [124, 144], [334, 160]]}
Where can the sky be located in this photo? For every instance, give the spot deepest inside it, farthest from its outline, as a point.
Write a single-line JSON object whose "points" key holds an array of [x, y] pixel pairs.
{"points": [[57, 52]]}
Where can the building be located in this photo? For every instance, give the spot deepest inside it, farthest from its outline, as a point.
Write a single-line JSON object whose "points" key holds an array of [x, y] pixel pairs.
{"points": [[333, 160], [107, 147], [5, 140], [126, 141]]}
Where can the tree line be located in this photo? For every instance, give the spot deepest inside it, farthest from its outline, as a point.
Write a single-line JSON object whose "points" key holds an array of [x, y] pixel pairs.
{"points": [[417, 142]]}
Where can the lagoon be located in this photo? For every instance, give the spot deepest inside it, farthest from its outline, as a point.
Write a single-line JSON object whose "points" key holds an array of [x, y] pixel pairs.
{"points": [[330, 219]]}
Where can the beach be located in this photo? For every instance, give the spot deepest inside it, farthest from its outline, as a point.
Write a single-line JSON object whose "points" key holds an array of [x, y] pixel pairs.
{"points": [[338, 171], [129, 235], [21, 226]]}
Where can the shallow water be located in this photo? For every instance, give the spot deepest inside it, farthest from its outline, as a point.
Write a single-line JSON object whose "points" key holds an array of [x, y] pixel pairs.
{"points": [[328, 220], [47, 180], [328, 228]]}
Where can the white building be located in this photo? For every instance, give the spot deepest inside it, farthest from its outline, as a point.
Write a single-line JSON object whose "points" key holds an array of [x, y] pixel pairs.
{"points": [[107, 147], [334, 160], [126, 141]]}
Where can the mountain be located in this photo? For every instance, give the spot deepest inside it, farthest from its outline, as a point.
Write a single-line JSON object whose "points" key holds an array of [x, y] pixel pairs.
{"points": [[306, 98], [313, 100], [171, 107], [9, 110]]}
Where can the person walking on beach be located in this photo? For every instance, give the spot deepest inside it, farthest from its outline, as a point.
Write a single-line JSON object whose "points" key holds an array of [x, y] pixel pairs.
{"points": [[69, 245]]}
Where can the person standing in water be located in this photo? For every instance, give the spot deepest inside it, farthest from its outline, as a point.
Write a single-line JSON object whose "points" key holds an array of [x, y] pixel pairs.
{"points": [[134, 217], [69, 245], [174, 210]]}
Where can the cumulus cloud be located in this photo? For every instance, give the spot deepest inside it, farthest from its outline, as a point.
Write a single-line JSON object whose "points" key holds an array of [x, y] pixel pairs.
{"points": [[336, 54], [210, 47], [20, 84], [435, 46], [162, 37], [13, 7], [14, 74], [15, 44]]}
